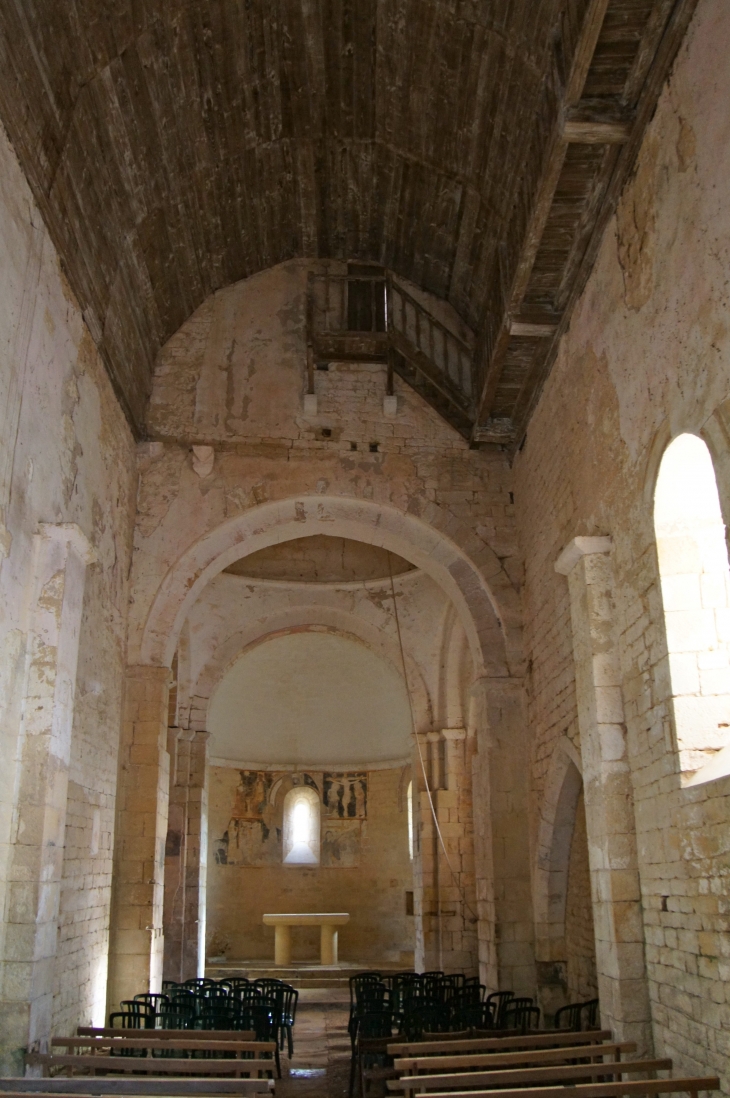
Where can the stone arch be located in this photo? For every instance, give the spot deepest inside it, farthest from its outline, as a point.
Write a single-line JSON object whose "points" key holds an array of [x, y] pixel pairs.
{"points": [[555, 834], [309, 618], [466, 569]]}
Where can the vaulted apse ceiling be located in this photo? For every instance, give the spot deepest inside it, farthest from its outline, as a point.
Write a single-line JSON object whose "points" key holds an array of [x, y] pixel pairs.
{"points": [[176, 146]]}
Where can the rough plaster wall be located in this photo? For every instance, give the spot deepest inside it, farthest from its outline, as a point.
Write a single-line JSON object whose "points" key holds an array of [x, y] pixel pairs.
{"points": [[373, 893], [66, 455], [647, 356], [579, 935]]}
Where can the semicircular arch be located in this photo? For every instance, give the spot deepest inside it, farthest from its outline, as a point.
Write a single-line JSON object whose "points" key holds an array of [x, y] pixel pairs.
{"points": [[466, 569]]}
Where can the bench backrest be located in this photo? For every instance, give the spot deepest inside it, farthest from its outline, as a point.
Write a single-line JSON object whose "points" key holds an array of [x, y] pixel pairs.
{"points": [[544, 1039], [168, 1034], [513, 1077], [119, 1085], [152, 1065], [628, 1087], [196, 1042], [487, 1060]]}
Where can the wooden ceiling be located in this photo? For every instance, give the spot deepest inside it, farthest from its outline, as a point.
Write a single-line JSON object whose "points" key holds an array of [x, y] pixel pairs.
{"points": [[475, 147]]}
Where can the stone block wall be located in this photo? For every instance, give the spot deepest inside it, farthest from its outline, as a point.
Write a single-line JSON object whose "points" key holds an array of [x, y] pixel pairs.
{"points": [[647, 357], [580, 938], [373, 892], [67, 460]]}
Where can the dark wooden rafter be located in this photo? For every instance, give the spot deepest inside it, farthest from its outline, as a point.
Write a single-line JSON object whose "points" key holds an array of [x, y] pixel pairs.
{"points": [[597, 127]]}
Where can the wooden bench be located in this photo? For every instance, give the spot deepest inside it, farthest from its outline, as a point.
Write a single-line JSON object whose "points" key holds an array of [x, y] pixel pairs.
{"points": [[511, 1077], [168, 1034], [148, 1065], [115, 1087], [196, 1042], [618, 1089], [542, 1039], [213, 1037], [411, 1065]]}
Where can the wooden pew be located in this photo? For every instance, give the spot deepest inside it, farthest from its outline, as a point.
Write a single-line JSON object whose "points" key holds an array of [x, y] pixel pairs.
{"points": [[197, 1041], [629, 1087], [412, 1065], [168, 1034], [511, 1077], [541, 1039], [148, 1065], [178, 1038], [115, 1087]]}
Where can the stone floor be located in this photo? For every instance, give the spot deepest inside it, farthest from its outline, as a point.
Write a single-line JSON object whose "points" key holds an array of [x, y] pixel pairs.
{"points": [[320, 1066]]}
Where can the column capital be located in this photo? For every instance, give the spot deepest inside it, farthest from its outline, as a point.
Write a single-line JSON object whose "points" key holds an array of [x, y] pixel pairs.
{"points": [[578, 548], [432, 737], [453, 733]]}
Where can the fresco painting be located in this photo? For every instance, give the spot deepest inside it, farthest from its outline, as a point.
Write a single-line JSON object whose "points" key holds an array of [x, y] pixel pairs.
{"points": [[254, 833]]}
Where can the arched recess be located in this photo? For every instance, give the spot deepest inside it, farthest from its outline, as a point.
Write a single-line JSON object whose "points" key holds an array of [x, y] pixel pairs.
{"points": [[308, 618], [465, 568], [562, 791]]}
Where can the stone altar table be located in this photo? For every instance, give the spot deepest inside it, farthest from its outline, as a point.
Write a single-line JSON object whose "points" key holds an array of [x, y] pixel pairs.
{"points": [[326, 921]]}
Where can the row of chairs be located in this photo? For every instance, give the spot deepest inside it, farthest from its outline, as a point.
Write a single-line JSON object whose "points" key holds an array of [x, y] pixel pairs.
{"points": [[266, 1007], [428, 1005], [435, 1002]]}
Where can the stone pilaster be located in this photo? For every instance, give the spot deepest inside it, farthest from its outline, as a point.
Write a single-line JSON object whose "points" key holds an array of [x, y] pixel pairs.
{"points": [[508, 776], [186, 857], [136, 940], [611, 826], [60, 556]]}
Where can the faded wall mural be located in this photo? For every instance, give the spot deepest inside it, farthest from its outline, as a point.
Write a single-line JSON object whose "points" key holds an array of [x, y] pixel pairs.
{"points": [[254, 833]]}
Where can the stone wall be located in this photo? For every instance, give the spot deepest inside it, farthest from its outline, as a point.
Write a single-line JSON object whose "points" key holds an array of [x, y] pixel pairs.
{"points": [[647, 356], [66, 461], [579, 931], [373, 892], [232, 380]]}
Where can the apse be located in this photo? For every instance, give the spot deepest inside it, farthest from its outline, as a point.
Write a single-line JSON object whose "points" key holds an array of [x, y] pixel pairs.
{"points": [[310, 699]]}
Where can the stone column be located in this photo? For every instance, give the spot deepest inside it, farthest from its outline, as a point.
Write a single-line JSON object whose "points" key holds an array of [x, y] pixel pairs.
{"points": [[136, 939], [483, 842], [186, 856], [508, 765], [60, 557], [617, 909]]}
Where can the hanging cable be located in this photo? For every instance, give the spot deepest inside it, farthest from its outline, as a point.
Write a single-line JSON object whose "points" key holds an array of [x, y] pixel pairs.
{"points": [[455, 879]]}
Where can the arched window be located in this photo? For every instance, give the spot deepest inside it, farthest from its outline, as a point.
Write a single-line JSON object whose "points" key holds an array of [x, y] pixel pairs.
{"points": [[301, 826], [695, 586]]}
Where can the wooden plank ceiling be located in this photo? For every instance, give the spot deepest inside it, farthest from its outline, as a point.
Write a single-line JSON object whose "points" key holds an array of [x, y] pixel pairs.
{"points": [[475, 147]]}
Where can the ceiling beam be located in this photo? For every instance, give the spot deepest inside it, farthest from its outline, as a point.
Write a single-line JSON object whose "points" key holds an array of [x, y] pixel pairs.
{"points": [[617, 124], [548, 180]]}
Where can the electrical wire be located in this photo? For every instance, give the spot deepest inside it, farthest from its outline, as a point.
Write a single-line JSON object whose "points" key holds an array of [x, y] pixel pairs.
{"points": [[457, 882]]}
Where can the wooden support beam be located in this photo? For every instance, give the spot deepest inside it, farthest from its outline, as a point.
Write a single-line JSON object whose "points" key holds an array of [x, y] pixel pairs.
{"points": [[598, 122], [665, 31], [542, 202]]}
